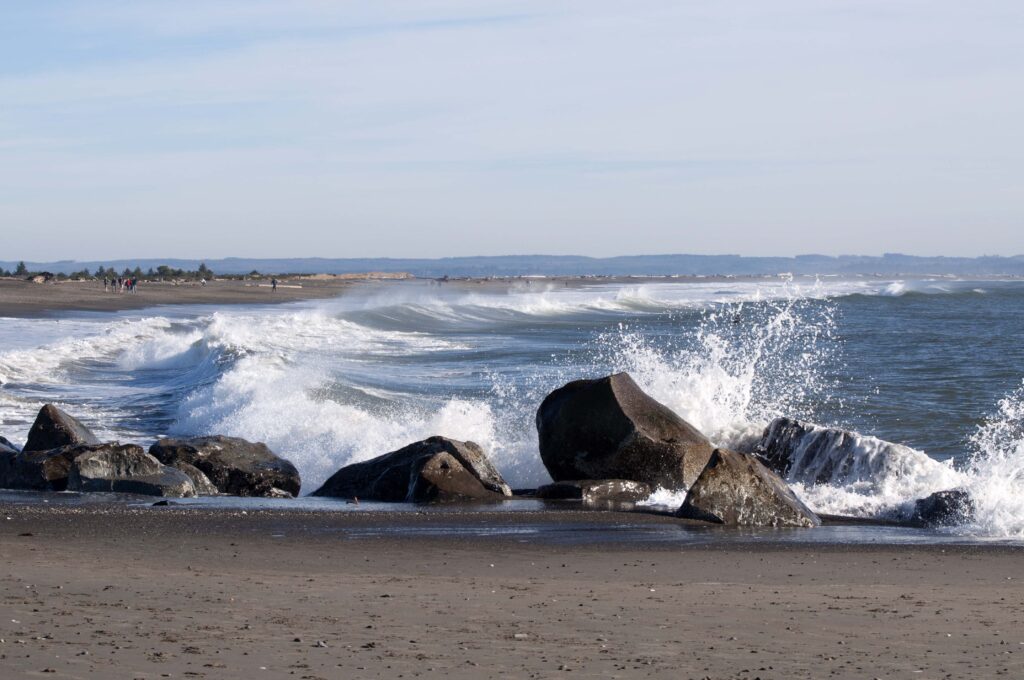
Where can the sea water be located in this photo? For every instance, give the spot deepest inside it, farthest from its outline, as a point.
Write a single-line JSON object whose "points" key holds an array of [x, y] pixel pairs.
{"points": [[927, 372]]}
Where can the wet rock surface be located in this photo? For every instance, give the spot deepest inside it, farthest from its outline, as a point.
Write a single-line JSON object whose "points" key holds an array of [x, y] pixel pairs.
{"points": [[233, 465], [437, 469], [53, 428], [126, 468], [37, 470], [736, 489], [596, 491], [609, 428], [202, 483], [944, 508]]}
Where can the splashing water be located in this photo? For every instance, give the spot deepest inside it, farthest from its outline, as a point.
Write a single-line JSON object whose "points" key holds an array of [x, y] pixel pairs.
{"points": [[741, 366], [995, 473], [362, 375]]}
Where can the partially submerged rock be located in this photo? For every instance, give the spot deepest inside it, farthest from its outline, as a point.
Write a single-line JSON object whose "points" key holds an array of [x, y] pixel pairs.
{"points": [[609, 428], [735, 488], [944, 508], [53, 428], [596, 491], [234, 466], [437, 469], [126, 469], [811, 454]]}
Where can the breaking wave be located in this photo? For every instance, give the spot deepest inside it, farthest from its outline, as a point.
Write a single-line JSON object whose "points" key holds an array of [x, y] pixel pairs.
{"points": [[350, 379]]}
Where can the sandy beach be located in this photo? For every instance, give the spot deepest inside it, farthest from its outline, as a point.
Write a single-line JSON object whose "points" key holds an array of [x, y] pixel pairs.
{"points": [[104, 591], [19, 298]]}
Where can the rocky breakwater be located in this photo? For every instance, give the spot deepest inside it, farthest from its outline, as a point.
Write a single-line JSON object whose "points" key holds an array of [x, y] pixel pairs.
{"points": [[61, 453], [434, 470]]}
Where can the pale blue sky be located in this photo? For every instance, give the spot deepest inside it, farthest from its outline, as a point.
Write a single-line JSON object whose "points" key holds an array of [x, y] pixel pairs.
{"points": [[431, 128]]}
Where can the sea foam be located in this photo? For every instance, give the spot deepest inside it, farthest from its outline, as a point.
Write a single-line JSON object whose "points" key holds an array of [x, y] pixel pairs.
{"points": [[346, 380]]}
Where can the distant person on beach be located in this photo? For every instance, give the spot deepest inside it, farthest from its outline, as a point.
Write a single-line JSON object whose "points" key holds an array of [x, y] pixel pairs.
{"points": [[273, 285], [106, 283]]}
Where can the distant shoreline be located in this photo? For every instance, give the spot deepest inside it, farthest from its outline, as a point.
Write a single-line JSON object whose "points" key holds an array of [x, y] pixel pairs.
{"points": [[20, 298], [888, 265], [25, 299]]}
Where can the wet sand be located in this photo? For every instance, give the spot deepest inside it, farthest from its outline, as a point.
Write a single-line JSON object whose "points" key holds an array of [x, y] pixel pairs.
{"points": [[100, 592], [20, 298]]}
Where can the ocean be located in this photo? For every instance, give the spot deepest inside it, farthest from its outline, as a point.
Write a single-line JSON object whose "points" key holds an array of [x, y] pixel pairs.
{"points": [[928, 373]]}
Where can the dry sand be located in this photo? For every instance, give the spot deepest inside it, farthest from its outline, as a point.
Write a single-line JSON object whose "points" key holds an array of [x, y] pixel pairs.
{"points": [[170, 592], [19, 298]]}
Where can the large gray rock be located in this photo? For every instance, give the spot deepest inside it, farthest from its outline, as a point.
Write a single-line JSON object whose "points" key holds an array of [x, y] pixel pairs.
{"points": [[596, 491], [610, 429], [944, 508], [434, 470], [202, 483], [37, 470], [7, 446], [735, 488], [53, 429], [126, 469], [234, 466]]}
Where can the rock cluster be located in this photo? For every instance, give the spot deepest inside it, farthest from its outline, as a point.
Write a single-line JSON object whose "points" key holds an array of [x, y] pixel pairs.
{"points": [[605, 443], [63, 454]]}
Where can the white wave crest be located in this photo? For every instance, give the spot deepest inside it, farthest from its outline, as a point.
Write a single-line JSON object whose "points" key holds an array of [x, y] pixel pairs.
{"points": [[995, 472]]}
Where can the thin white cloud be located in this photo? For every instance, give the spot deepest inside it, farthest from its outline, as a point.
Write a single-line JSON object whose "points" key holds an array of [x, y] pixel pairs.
{"points": [[531, 126]]}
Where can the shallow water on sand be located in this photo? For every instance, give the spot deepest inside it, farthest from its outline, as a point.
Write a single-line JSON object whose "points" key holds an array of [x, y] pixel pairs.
{"points": [[934, 365], [520, 520]]}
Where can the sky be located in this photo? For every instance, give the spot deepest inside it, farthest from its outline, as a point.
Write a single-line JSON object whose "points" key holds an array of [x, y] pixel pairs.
{"points": [[441, 127]]}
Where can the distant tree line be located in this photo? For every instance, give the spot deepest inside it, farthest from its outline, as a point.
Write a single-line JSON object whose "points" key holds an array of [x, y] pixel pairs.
{"points": [[163, 272]]}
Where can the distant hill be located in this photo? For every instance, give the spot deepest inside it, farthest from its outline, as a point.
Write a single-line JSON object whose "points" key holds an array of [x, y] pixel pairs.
{"points": [[890, 264]]}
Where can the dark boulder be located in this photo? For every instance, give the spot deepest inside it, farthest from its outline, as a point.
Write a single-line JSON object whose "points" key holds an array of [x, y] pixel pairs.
{"points": [[37, 470], [234, 466], [53, 429], [7, 446], [434, 470], [609, 428], [735, 488], [596, 491], [126, 469], [7, 457], [944, 508]]}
